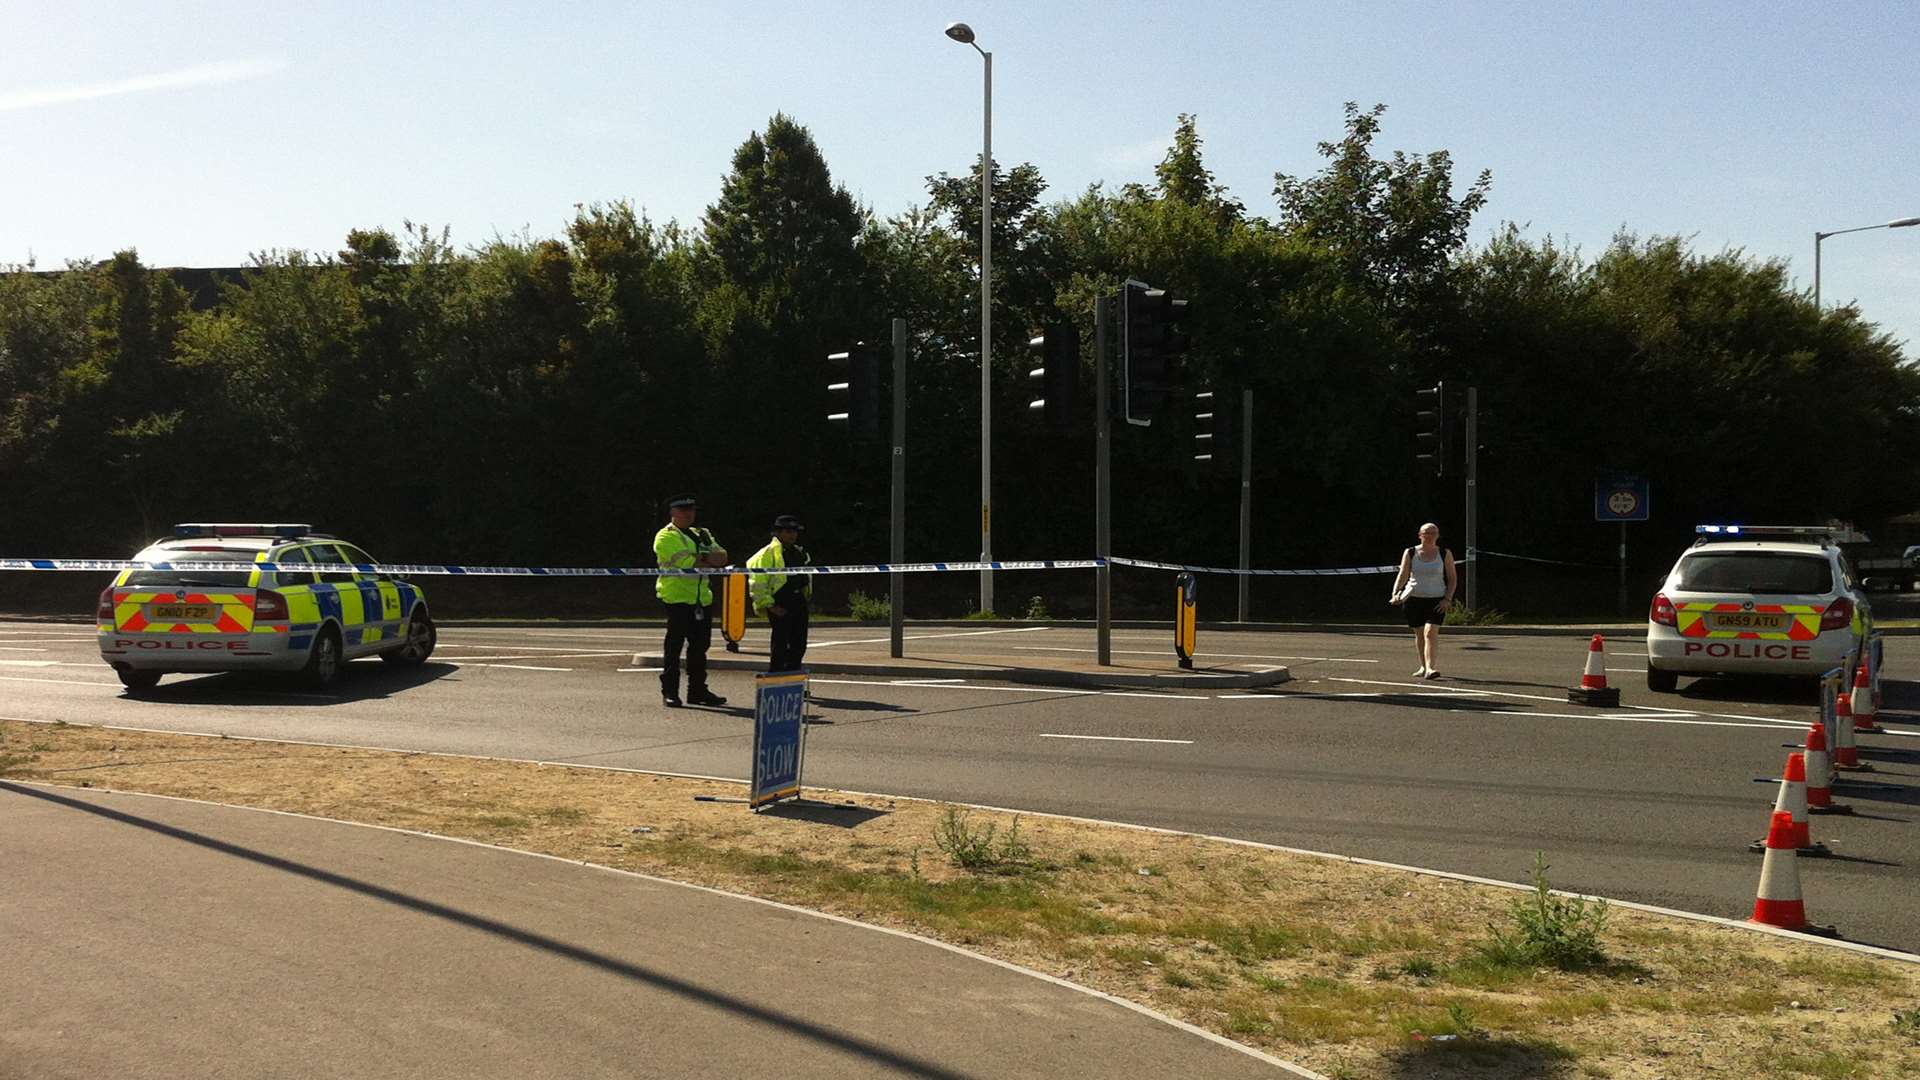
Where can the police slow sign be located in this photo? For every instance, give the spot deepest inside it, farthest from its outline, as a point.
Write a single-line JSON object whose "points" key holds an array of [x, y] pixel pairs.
{"points": [[779, 708]]}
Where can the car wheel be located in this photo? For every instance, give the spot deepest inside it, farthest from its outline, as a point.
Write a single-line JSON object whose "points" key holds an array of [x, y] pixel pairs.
{"points": [[139, 682], [1662, 682], [323, 660], [420, 640]]}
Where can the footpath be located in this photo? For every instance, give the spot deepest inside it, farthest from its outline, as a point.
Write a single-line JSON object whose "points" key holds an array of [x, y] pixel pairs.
{"points": [[156, 937]]}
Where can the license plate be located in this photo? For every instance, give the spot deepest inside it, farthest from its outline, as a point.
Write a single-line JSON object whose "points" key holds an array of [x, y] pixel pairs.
{"points": [[181, 612], [1748, 620]]}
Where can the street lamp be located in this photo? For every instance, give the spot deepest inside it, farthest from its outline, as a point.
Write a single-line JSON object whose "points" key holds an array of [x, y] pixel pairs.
{"points": [[1898, 223], [963, 34]]}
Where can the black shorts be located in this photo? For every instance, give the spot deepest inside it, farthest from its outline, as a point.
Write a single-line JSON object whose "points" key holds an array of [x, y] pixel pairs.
{"points": [[1422, 610]]}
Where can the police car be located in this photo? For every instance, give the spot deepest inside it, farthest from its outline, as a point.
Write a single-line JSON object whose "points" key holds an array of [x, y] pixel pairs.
{"points": [[155, 620], [1756, 600]]}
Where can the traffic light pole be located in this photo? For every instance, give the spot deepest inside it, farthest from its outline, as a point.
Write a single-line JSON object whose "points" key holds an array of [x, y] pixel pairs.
{"points": [[1102, 484], [1473, 498], [896, 598], [1246, 497]]}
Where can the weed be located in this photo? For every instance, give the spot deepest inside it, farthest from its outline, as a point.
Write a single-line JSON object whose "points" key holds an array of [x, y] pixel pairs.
{"points": [[1176, 977], [864, 607], [1459, 614], [1907, 1024], [972, 848], [1419, 967], [1548, 930], [1037, 608], [1246, 1021]]}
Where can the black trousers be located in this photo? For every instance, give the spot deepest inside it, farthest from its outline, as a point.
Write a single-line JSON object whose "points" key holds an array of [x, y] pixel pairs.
{"points": [[789, 632], [692, 626]]}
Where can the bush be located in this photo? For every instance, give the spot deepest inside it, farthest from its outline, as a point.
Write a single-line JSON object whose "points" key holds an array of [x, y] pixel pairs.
{"points": [[1548, 930], [864, 607], [1037, 608]]}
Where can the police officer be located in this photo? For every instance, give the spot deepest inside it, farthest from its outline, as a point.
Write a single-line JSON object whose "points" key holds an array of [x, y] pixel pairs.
{"points": [[682, 546], [783, 598]]}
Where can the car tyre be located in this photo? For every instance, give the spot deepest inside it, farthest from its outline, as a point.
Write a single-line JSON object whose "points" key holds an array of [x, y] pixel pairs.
{"points": [[421, 637], [1662, 682], [139, 682], [323, 660]]}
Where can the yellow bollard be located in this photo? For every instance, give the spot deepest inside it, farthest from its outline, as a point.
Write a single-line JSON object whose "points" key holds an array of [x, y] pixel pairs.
{"points": [[733, 610], [1186, 618]]}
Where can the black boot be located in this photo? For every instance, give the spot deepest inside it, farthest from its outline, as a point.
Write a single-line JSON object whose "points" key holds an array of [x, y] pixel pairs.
{"points": [[703, 696], [670, 693]]}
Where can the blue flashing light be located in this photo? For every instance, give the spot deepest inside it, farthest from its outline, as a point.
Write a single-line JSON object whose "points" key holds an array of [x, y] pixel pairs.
{"points": [[202, 530], [1717, 530]]}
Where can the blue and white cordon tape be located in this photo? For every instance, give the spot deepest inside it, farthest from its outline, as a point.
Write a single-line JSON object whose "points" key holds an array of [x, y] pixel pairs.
{"points": [[99, 565]]}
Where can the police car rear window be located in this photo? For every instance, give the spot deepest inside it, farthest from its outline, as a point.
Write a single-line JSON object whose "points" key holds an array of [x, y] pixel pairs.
{"points": [[195, 577], [1755, 572]]}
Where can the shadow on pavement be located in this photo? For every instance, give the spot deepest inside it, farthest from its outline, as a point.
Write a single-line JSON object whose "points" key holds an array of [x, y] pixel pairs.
{"points": [[357, 682], [905, 1063], [855, 705], [1754, 690]]}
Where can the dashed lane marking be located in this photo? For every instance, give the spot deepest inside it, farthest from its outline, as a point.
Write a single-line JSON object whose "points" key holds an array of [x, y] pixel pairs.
{"points": [[516, 667], [912, 684], [1770, 721], [1210, 652], [1117, 738], [563, 656], [926, 637], [30, 663]]}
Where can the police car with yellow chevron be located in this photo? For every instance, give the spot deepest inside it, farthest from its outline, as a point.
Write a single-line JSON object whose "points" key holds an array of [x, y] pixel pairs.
{"points": [[1757, 600], [294, 600]]}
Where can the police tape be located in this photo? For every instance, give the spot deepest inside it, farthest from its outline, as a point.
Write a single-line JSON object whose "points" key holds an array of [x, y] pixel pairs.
{"points": [[197, 566], [1343, 571], [1549, 562]]}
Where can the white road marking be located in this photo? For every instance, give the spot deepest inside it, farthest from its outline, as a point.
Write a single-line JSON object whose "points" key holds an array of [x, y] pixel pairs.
{"points": [[515, 647], [642, 670], [925, 637], [1209, 652], [563, 656], [1284, 696], [1636, 718], [30, 663], [1117, 738], [68, 682], [516, 667], [19, 648]]}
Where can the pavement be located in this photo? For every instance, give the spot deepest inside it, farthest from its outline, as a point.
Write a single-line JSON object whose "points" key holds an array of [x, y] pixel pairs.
{"points": [[1652, 801], [930, 653], [160, 938]]}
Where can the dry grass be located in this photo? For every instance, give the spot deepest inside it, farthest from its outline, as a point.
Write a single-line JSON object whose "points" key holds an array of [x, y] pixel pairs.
{"points": [[1354, 971]]}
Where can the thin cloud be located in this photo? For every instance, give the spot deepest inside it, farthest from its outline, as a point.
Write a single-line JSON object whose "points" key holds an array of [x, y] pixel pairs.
{"points": [[225, 71], [1136, 155]]}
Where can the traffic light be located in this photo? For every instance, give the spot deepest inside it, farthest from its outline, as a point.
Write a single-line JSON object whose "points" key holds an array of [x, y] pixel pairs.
{"points": [[855, 390], [1430, 439], [1216, 428], [1153, 339], [1057, 378]]}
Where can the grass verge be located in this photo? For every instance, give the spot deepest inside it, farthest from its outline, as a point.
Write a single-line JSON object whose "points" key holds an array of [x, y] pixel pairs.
{"points": [[1354, 971]]}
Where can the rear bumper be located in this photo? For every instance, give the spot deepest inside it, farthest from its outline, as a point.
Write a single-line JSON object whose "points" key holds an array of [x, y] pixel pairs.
{"points": [[1668, 651], [203, 652]]}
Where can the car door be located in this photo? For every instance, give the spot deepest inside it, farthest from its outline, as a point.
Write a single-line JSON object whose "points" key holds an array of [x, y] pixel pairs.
{"points": [[379, 601], [338, 595]]}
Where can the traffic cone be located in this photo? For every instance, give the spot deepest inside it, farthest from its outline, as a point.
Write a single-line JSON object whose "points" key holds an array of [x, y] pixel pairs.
{"points": [[1820, 774], [1593, 688], [1846, 752], [1793, 800], [1778, 902], [1863, 714]]}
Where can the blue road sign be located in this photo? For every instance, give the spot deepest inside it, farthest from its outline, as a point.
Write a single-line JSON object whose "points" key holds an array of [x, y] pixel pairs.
{"points": [[1621, 498], [779, 709]]}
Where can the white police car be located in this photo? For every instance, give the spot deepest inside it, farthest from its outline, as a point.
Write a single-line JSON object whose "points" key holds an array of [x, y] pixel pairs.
{"points": [[160, 619], [1756, 600]]}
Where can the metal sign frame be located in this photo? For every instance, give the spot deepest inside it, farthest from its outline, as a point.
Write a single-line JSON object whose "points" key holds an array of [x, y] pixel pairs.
{"points": [[779, 737], [1607, 488]]}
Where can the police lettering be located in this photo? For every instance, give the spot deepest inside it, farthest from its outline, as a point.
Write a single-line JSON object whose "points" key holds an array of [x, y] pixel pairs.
{"points": [[177, 643], [1749, 650]]}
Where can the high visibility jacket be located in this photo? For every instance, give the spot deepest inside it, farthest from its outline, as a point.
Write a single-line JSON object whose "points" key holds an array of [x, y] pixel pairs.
{"points": [[678, 550], [773, 557]]}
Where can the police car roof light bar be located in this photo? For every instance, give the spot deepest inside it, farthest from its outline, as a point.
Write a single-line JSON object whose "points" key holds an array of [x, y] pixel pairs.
{"points": [[196, 530]]}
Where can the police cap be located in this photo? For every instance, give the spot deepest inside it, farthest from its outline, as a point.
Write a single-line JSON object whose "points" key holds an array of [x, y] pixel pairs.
{"points": [[787, 521], [679, 501]]}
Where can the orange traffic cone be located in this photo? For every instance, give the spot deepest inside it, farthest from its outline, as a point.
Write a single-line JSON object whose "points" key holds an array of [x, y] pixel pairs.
{"points": [[1778, 902], [1863, 715], [1820, 774], [1846, 752], [1593, 688], [1793, 800]]}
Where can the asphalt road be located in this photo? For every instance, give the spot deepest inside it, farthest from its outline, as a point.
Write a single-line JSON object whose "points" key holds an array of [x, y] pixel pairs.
{"points": [[1653, 801]]}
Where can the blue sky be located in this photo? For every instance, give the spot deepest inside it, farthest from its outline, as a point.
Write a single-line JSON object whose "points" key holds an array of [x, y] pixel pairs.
{"points": [[200, 133]]}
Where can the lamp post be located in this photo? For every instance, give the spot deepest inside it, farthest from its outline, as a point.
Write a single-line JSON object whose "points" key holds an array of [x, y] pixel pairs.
{"points": [[963, 34], [1899, 223]]}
